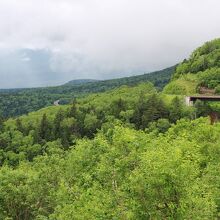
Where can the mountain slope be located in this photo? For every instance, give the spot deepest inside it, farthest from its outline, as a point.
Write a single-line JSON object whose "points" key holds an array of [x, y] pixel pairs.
{"points": [[15, 102], [79, 82], [116, 151], [201, 72], [127, 153]]}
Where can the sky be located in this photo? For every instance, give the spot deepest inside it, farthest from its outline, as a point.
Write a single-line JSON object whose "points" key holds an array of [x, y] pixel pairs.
{"points": [[49, 42]]}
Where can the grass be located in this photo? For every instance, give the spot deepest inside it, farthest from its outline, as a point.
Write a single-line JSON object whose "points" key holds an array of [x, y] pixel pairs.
{"points": [[185, 85]]}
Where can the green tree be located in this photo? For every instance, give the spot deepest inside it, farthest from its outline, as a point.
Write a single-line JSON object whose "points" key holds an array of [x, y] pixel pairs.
{"points": [[117, 106], [160, 126], [19, 125], [44, 129], [73, 109], [202, 108], [57, 124], [1, 123], [91, 124], [155, 110], [176, 109]]}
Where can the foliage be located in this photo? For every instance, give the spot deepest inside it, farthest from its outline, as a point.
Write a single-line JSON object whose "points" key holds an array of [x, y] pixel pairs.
{"points": [[203, 58], [185, 85], [120, 174], [26, 137], [15, 102], [204, 64], [127, 153]]}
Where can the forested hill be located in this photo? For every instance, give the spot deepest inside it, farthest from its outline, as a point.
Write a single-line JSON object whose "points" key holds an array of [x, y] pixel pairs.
{"points": [[131, 152], [14, 102], [200, 73], [80, 81]]}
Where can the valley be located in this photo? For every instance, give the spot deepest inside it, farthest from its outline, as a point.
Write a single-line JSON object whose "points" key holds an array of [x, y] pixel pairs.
{"points": [[126, 148]]}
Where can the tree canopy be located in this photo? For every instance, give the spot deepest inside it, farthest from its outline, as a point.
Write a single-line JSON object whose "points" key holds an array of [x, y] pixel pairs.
{"points": [[127, 153]]}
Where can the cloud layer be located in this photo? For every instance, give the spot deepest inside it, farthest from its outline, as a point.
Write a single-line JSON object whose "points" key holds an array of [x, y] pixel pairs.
{"points": [[101, 38]]}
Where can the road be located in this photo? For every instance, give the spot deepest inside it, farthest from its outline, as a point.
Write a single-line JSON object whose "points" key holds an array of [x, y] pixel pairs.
{"points": [[56, 103]]}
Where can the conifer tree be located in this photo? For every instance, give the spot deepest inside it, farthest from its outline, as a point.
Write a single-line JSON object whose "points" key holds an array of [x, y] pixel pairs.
{"points": [[1, 123], [57, 124], [73, 109], [44, 129], [19, 125]]}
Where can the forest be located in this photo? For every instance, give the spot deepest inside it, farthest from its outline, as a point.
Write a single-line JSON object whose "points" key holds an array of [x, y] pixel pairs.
{"points": [[15, 102], [128, 152], [201, 70]]}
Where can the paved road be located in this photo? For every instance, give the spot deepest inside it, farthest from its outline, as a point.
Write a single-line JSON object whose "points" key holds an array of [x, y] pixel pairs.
{"points": [[56, 103]]}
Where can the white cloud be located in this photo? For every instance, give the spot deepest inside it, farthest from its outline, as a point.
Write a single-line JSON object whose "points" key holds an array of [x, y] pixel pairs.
{"points": [[109, 38]]}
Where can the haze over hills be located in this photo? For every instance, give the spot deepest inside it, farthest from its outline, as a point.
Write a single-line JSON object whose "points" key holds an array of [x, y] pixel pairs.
{"points": [[80, 81], [40, 48], [31, 68], [105, 115], [201, 69], [132, 152], [26, 68], [35, 98]]}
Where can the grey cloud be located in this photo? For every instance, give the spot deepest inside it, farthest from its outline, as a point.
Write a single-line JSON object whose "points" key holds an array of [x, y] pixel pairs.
{"points": [[99, 38]]}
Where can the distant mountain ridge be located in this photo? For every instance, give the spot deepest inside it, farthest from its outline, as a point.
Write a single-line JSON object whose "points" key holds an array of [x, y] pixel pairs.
{"points": [[14, 102], [80, 81], [159, 78]]}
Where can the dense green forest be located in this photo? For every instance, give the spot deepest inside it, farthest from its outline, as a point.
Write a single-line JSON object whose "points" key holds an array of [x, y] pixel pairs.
{"points": [[15, 102], [131, 152], [201, 70]]}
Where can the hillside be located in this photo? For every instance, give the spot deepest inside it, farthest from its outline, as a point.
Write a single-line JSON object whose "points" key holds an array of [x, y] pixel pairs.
{"points": [[131, 152], [80, 81], [201, 72], [16, 102]]}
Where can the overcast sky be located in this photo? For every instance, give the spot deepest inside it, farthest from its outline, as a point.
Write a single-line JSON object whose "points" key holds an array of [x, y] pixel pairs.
{"points": [[98, 38]]}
